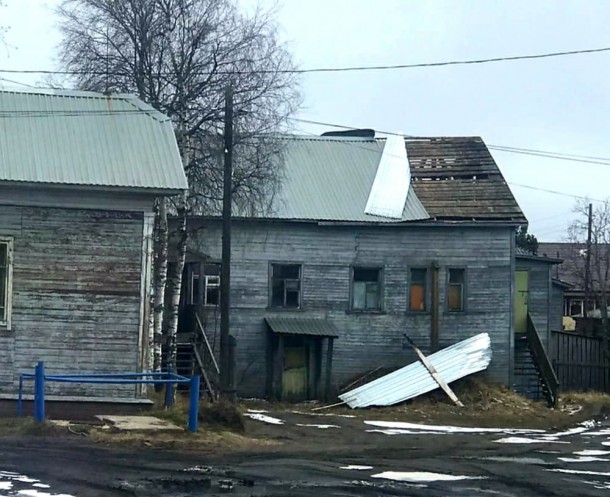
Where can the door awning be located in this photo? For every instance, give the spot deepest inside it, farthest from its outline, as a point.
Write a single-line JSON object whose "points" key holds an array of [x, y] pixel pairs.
{"points": [[302, 326]]}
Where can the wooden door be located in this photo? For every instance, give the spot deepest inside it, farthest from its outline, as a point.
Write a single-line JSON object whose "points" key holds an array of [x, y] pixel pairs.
{"points": [[295, 377], [521, 300]]}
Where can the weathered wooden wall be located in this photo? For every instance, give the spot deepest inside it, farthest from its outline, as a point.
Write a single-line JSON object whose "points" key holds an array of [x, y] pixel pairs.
{"points": [[366, 340], [76, 295]]}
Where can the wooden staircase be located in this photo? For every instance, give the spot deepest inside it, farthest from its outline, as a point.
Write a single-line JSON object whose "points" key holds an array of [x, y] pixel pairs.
{"points": [[196, 357], [534, 375]]}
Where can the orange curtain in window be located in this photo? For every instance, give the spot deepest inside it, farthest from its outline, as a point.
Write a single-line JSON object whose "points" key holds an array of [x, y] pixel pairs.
{"points": [[418, 298]]}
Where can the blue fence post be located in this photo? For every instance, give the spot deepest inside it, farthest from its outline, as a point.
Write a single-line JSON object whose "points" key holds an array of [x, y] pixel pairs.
{"points": [[39, 393], [194, 403], [20, 398], [169, 390]]}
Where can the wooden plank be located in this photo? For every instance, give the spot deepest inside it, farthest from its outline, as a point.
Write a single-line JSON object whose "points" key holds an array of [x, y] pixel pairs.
{"points": [[434, 373], [207, 343], [206, 379]]}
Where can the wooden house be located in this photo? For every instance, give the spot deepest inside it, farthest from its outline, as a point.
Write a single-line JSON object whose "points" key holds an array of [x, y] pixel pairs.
{"points": [[323, 288], [79, 173]]}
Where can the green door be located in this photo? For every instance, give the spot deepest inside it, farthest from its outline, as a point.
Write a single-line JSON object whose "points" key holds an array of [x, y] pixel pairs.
{"points": [[521, 297], [294, 377]]}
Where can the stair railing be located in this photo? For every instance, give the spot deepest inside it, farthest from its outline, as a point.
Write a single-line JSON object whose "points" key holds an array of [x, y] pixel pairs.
{"points": [[542, 363]]}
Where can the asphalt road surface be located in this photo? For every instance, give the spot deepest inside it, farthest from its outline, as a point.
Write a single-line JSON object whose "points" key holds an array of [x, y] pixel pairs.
{"points": [[323, 456]]}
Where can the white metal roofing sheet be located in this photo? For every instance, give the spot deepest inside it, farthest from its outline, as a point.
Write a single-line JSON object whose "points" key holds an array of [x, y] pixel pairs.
{"points": [[452, 363]]}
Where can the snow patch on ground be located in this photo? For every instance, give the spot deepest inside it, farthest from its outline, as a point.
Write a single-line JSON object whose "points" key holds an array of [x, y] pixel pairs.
{"points": [[398, 425], [324, 414], [592, 452], [523, 440], [582, 459], [356, 467], [422, 476], [404, 432], [323, 427], [5, 485], [264, 419], [578, 472], [257, 411]]}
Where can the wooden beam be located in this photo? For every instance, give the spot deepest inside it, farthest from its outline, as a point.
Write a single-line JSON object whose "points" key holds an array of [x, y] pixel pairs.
{"points": [[434, 373], [329, 366], [435, 321]]}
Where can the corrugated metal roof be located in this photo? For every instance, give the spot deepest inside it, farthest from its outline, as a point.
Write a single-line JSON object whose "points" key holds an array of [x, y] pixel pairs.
{"points": [[454, 362], [328, 178], [302, 326], [86, 138]]}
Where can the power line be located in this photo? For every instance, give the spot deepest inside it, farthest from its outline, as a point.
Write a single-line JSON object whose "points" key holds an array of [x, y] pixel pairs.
{"points": [[501, 148], [529, 187], [329, 69]]}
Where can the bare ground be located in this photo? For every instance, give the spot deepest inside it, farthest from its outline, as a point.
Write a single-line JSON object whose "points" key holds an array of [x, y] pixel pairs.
{"points": [[291, 460]]}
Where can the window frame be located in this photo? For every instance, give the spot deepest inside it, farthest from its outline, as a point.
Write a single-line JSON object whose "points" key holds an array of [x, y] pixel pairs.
{"points": [[464, 289], [381, 291], [5, 321], [426, 289], [270, 284], [205, 283]]}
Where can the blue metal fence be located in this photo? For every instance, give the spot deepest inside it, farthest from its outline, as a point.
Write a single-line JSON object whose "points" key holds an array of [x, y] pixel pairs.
{"points": [[168, 379]]}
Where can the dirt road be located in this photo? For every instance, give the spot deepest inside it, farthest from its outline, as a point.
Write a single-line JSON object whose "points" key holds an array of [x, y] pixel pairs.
{"points": [[323, 456]]}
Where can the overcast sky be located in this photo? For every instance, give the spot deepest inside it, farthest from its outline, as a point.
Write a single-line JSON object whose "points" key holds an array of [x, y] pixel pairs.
{"points": [[560, 104]]}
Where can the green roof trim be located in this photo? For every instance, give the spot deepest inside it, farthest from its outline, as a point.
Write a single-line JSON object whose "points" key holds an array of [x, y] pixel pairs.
{"points": [[302, 326]]}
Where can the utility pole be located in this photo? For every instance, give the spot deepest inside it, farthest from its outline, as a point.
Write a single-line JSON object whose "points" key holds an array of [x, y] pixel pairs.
{"points": [[588, 261], [226, 375]]}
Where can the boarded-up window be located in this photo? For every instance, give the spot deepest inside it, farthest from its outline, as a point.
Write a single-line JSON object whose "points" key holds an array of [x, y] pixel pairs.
{"points": [[417, 290], [366, 289], [6, 248], [286, 286], [455, 297]]}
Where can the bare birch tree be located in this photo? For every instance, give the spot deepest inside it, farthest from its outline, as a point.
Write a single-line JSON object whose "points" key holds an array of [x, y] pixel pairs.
{"points": [[599, 281], [179, 55]]}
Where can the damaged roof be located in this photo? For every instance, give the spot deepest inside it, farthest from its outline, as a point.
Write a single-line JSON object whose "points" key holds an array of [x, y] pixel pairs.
{"points": [[87, 139], [457, 178], [330, 178]]}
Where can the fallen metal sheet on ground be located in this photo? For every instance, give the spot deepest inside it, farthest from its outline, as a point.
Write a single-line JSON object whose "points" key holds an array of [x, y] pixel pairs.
{"points": [[454, 362]]}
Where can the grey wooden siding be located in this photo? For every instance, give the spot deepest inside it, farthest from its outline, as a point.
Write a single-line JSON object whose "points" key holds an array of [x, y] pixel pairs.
{"points": [[539, 294], [76, 295], [366, 340]]}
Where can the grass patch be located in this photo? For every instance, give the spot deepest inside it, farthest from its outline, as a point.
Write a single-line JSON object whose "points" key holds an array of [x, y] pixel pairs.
{"points": [[222, 415], [27, 426]]}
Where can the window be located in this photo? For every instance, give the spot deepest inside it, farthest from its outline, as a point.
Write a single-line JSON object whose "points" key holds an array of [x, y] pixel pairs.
{"points": [[576, 308], [194, 293], [417, 289], [455, 290], [6, 271], [366, 289], [211, 284], [286, 286]]}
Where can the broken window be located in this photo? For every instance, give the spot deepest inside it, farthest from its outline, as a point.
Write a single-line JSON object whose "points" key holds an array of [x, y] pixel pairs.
{"points": [[455, 290], [417, 289], [211, 284], [6, 249], [366, 289], [194, 290], [286, 286]]}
